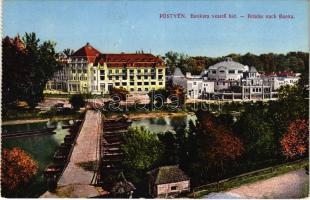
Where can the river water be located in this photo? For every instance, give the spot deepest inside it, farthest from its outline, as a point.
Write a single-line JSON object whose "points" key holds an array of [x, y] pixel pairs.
{"points": [[42, 147]]}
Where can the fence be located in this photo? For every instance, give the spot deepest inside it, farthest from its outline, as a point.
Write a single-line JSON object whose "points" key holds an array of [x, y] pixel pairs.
{"points": [[245, 178]]}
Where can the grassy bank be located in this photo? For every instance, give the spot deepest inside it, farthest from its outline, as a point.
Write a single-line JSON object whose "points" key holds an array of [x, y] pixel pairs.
{"points": [[36, 115], [148, 114], [247, 178]]}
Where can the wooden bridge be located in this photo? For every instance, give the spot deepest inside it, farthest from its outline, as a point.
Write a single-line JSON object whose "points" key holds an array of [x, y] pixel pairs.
{"points": [[80, 174], [88, 158]]}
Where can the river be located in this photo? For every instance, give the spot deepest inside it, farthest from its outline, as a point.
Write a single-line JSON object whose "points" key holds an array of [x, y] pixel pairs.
{"points": [[42, 147]]}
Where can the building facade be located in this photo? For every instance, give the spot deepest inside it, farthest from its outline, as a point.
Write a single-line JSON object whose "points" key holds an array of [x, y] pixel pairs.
{"points": [[232, 80], [89, 71], [226, 74], [276, 80], [168, 181], [196, 86]]}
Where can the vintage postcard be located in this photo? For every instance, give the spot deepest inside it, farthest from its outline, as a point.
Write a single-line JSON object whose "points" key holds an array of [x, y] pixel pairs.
{"points": [[155, 99]]}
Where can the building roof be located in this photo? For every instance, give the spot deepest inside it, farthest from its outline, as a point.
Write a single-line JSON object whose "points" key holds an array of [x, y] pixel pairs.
{"points": [[252, 70], [178, 72], [131, 59], [168, 174], [204, 73], [228, 64], [122, 185], [281, 74], [88, 52]]}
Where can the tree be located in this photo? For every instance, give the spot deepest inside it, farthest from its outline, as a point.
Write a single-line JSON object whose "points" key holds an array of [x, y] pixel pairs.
{"points": [[28, 65], [119, 92], [213, 147], [255, 131], [77, 101], [292, 104], [142, 149], [17, 168], [292, 61], [171, 60], [158, 96], [296, 140], [170, 154], [68, 52], [14, 54], [177, 94], [224, 147]]}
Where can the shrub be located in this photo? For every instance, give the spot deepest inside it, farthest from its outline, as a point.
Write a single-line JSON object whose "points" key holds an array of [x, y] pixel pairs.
{"points": [[77, 101], [17, 167]]}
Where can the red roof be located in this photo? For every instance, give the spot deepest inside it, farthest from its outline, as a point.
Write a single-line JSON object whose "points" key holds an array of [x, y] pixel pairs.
{"points": [[281, 74], [87, 51], [126, 59]]}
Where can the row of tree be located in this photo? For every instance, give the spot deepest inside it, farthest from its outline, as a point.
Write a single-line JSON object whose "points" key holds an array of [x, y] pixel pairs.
{"points": [[271, 62]]}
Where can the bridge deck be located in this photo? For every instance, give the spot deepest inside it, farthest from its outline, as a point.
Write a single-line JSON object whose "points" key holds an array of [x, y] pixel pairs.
{"points": [[85, 152], [81, 169]]}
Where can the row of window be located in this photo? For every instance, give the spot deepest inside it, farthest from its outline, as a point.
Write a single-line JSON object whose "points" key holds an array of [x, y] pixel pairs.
{"points": [[95, 87], [256, 90], [79, 71], [131, 71], [77, 65], [102, 77], [229, 71], [138, 83]]}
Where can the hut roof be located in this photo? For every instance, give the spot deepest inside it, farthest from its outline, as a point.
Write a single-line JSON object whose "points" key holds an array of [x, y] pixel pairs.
{"points": [[168, 174]]}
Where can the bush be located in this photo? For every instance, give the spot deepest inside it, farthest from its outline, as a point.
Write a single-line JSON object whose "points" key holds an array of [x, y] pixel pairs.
{"points": [[77, 101], [17, 168]]}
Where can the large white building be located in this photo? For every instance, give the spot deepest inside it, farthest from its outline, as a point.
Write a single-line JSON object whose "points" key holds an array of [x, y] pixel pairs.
{"points": [[221, 77], [89, 71], [226, 73]]}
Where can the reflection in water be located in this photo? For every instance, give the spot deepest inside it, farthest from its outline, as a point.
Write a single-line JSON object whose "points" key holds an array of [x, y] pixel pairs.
{"points": [[163, 124], [41, 148]]}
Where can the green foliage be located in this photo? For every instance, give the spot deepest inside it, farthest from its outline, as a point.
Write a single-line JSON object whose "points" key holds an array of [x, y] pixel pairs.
{"points": [[211, 148], [170, 154], [119, 92], [161, 92], [77, 101], [256, 133], [142, 149], [292, 61], [68, 52], [177, 95], [27, 66]]}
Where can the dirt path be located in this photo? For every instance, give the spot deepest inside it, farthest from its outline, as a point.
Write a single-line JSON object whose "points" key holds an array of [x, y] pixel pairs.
{"points": [[289, 185]]}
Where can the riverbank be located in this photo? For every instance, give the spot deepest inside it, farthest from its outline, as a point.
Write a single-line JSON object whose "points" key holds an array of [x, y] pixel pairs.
{"points": [[152, 114], [157, 114], [36, 120]]}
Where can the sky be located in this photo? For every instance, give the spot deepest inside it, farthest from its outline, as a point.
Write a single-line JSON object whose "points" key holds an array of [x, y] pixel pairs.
{"points": [[130, 26]]}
